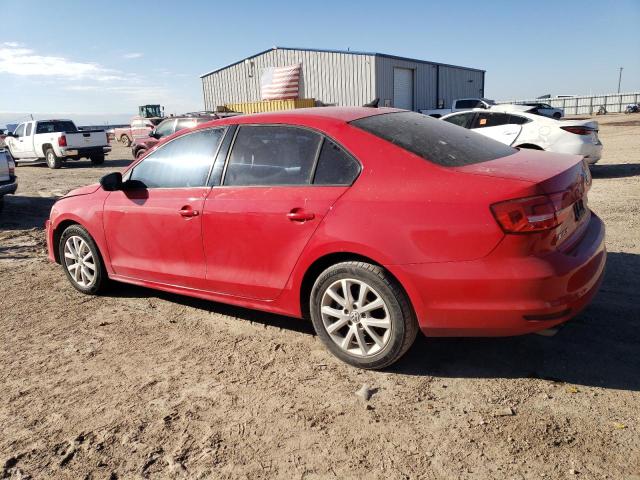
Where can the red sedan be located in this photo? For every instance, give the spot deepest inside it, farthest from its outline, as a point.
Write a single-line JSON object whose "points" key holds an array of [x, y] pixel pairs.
{"points": [[373, 223]]}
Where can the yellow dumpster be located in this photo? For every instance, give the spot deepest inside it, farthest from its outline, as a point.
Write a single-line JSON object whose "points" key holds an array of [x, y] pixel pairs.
{"points": [[271, 105]]}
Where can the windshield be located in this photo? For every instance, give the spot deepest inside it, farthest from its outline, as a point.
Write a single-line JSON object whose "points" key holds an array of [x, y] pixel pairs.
{"points": [[434, 140], [56, 126]]}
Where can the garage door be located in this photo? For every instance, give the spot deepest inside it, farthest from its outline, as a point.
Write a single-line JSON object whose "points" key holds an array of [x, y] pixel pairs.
{"points": [[403, 88]]}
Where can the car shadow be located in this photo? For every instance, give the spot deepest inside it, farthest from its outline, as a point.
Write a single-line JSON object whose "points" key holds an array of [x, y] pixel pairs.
{"points": [[618, 170], [600, 347], [24, 213], [73, 164], [255, 316]]}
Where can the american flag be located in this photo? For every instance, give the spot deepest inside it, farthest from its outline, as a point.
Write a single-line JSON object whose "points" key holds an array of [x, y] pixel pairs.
{"points": [[277, 83]]}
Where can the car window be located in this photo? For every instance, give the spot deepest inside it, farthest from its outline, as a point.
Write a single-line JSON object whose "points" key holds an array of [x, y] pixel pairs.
{"points": [[517, 120], [335, 166], [432, 139], [461, 119], [272, 155], [486, 119], [55, 126], [181, 163], [165, 128], [19, 131], [185, 123], [29, 126], [466, 103]]}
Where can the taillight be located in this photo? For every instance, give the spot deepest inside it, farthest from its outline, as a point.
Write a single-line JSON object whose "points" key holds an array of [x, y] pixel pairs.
{"points": [[12, 166], [62, 141], [578, 130], [534, 214]]}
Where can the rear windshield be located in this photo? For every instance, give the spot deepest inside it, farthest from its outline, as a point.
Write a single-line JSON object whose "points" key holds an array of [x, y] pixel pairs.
{"points": [[56, 126], [434, 140]]}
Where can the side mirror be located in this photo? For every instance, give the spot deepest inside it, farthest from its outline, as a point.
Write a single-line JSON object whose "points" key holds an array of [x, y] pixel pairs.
{"points": [[111, 182]]}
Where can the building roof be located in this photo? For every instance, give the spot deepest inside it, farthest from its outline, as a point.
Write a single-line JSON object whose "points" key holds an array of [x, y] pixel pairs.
{"points": [[349, 52]]}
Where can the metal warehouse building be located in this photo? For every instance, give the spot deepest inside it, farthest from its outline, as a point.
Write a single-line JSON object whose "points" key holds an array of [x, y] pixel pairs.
{"points": [[347, 78]]}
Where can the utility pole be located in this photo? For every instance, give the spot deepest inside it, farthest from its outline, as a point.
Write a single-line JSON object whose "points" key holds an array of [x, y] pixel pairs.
{"points": [[619, 79]]}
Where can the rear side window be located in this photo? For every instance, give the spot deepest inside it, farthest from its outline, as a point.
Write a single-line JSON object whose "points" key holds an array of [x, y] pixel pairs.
{"points": [[490, 120], [335, 166], [272, 155], [461, 119], [181, 163], [434, 140], [55, 126]]}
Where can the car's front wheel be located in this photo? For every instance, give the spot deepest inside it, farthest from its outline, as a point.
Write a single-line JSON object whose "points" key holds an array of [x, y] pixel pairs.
{"points": [[362, 315], [81, 260]]}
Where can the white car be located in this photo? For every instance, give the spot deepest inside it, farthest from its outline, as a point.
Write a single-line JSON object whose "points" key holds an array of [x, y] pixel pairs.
{"points": [[514, 126], [545, 109], [55, 141]]}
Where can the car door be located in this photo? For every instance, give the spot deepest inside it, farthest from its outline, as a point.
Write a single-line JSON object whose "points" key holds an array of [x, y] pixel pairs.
{"points": [[496, 126], [153, 226], [17, 145], [266, 207]]}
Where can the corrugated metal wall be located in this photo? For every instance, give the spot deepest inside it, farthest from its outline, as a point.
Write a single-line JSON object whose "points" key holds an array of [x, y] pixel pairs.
{"points": [[343, 78], [455, 82], [424, 82], [329, 77]]}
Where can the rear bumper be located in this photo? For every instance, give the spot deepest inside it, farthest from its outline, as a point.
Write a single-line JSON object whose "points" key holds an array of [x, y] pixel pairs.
{"points": [[498, 296], [8, 187], [84, 152]]}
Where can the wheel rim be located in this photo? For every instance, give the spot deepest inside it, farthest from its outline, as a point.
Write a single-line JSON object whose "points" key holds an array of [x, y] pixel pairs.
{"points": [[356, 317], [79, 261], [50, 159]]}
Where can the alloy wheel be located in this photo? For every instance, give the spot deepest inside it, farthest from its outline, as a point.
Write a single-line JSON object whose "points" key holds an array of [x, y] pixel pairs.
{"points": [[356, 317], [79, 261]]}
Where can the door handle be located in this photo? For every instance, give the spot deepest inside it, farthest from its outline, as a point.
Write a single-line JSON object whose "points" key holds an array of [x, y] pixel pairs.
{"points": [[299, 215], [188, 212]]}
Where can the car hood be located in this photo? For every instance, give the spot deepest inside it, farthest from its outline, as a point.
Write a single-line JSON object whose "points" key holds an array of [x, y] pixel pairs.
{"points": [[86, 190]]}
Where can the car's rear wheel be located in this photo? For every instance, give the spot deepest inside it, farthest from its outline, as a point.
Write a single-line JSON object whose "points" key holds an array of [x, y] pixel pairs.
{"points": [[362, 315], [53, 161], [125, 140], [557, 115], [81, 260]]}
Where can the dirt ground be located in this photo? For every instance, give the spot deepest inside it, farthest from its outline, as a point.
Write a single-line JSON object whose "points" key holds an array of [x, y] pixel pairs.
{"points": [[139, 383]]}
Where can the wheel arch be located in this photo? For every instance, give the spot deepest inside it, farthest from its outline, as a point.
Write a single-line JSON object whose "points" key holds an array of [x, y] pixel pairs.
{"points": [[530, 146], [323, 262], [59, 230], [44, 148]]}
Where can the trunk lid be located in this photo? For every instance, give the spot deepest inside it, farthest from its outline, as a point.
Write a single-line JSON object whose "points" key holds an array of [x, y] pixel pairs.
{"points": [[565, 178]]}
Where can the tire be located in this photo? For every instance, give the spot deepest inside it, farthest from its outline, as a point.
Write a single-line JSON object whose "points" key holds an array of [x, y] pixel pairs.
{"points": [[77, 242], [53, 161], [364, 337], [139, 153], [125, 140], [557, 116], [97, 159], [1, 203]]}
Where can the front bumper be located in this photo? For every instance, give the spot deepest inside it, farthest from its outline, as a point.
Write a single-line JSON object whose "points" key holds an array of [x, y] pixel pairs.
{"points": [[501, 296]]}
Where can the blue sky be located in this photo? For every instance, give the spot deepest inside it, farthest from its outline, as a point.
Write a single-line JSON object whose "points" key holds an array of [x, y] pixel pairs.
{"points": [[107, 58]]}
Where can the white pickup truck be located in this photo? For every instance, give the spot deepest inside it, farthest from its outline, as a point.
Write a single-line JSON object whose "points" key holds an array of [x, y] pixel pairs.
{"points": [[55, 141], [8, 182], [459, 105]]}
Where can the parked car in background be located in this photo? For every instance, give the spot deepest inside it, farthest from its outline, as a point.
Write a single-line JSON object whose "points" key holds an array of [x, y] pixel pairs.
{"points": [[56, 141], [3, 134], [545, 109], [8, 181], [514, 125], [459, 105], [168, 127], [139, 128], [373, 223]]}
